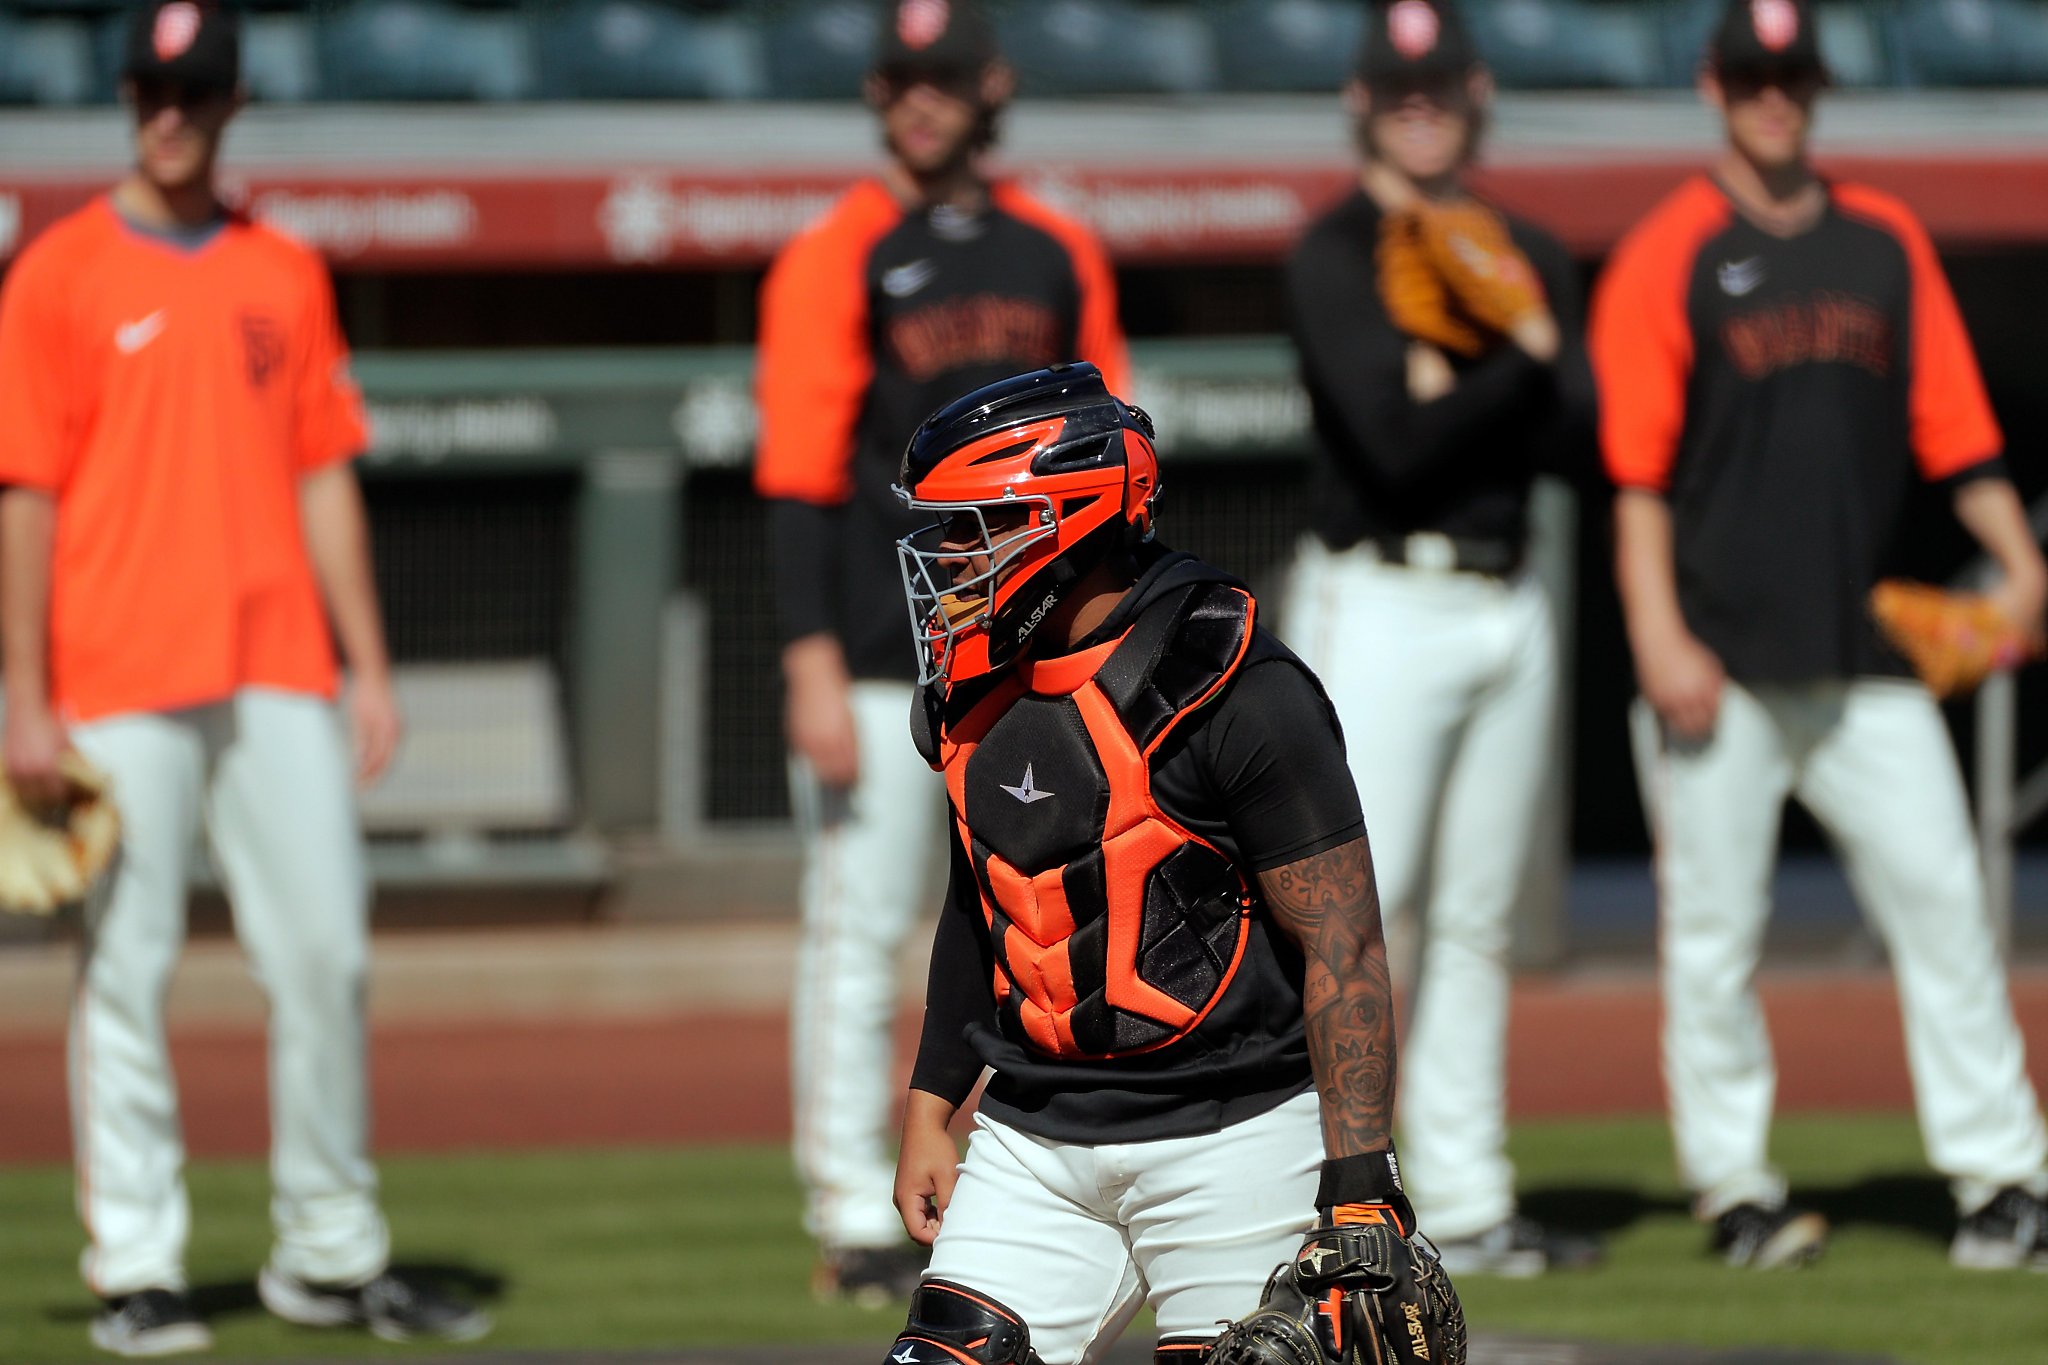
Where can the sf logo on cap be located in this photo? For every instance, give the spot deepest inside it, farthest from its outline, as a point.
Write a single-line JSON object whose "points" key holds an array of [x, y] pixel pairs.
{"points": [[1412, 27], [920, 23], [1776, 23], [177, 25]]}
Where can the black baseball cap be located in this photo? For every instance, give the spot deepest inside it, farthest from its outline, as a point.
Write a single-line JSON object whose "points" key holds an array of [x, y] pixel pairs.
{"points": [[935, 35], [1767, 37], [194, 42], [1413, 42]]}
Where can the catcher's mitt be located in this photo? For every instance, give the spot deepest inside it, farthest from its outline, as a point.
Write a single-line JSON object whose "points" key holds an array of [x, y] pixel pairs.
{"points": [[1468, 247], [1952, 639], [1357, 1295], [50, 855], [1415, 296]]}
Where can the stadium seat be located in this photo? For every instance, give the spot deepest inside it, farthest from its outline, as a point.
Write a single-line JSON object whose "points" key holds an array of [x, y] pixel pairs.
{"points": [[1107, 47], [1853, 37], [44, 61], [637, 49], [278, 63], [1286, 45], [1974, 42], [820, 49], [421, 50], [1569, 44]]}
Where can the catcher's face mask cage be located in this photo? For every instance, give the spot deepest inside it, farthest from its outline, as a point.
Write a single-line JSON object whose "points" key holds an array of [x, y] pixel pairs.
{"points": [[1037, 480], [952, 567]]}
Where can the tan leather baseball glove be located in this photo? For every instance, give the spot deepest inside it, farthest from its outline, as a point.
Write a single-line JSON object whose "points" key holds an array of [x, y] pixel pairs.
{"points": [[51, 855], [1415, 295], [1954, 640], [1468, 247]]}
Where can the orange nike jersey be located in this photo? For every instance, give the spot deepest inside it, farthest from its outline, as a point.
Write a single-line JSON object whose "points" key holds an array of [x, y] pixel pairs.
{"points": [[171, 398]]}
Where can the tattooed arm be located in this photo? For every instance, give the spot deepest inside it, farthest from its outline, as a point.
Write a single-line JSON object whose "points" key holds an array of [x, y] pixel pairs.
{"points": [[1328, 903]]}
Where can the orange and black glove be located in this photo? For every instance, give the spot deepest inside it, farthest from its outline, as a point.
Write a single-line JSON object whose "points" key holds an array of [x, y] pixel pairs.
{"points": [[1363, 1289]]}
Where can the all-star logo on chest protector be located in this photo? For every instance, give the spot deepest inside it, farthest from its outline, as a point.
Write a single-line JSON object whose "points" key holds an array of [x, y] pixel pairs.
{"points": [[1116, 929]]}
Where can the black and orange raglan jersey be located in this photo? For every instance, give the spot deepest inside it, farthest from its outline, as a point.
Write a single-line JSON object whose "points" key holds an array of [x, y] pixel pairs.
{"points": [[872, 319], [1780, 392]]}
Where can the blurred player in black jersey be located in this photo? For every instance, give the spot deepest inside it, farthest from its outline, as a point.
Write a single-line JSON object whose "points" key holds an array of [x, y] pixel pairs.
{"points": [[1434, 411], [921, 283], [1779, 357]]}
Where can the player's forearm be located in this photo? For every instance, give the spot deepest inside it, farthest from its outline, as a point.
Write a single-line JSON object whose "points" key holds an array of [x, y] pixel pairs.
{"points": [[1329, 904], [28, 533], [1644, 570], [338, 543], [1990, 509]]}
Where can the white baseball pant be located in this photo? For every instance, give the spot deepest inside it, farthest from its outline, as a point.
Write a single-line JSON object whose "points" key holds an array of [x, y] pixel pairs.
{"points": [[865, 853], [1074, 1239], [1871, 759], [1446, 686], [269, 775]]}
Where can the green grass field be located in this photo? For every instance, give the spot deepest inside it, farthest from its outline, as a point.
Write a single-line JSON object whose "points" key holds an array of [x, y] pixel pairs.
{"points": [[682, 1248]]}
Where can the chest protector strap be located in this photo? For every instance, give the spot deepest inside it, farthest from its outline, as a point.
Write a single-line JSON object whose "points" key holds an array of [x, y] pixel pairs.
{"points": [[1116, 929]]}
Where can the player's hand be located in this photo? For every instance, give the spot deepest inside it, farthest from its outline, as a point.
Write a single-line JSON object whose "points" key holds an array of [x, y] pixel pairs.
{"points": [[1537, 333], [2022, 599], [1682, 680], [374, 724], [32, 743], [1430, 375], [818, 711], [927, 1166]]}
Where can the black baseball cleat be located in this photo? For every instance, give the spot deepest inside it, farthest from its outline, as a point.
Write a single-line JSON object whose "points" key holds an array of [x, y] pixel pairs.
{"points": [[2009, 1232], [1760, 1238], [391, 1306], [152, 1322], [1517, 1248], [869, 1277]]}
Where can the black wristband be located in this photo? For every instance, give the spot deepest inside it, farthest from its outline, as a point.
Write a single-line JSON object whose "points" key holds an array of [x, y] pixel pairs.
{"points": [[1368, 1178]]}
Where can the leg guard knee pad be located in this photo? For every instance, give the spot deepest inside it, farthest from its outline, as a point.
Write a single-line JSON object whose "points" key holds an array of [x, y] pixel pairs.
{"points": [[1182, 1350], [950, 1322]]}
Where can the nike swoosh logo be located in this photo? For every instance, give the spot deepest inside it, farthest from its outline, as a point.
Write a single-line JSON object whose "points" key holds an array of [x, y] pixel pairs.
{"points": [[131, 337], [905, 280], [1740, 277]]}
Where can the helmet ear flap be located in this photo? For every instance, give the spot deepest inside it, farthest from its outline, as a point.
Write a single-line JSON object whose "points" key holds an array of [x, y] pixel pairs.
{"points": [[1141, 485]]}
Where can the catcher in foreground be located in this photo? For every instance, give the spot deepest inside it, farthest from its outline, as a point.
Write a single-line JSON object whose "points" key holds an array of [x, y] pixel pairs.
{"points": [[53, 850], [1162, 932]]}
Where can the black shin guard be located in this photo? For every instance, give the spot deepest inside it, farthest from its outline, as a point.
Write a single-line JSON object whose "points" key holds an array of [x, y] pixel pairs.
{"points": [[1182, 1350], [950, 1322]]}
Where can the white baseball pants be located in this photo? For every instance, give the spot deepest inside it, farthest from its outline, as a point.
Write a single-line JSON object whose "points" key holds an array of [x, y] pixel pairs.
{"points": [[1075, 1239], [865, 853], [1872, 761], [269, 775], [1446, 686]]}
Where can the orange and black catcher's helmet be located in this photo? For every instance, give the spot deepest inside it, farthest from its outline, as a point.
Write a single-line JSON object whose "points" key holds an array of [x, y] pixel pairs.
{"points": [[1036, 480]]}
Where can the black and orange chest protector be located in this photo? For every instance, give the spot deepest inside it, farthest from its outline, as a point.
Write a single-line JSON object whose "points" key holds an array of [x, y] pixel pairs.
{"points": [[1116, 929]]}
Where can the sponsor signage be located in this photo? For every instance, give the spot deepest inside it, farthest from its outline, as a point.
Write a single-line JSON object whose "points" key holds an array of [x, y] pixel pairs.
{"points": [[628, 218]]}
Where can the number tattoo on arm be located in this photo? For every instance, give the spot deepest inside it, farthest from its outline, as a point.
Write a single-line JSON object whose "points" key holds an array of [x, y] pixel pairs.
{"points": [[1328, 904]]}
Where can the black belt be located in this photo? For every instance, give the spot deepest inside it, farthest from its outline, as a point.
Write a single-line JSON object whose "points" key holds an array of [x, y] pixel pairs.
{"points": [[1449, 554]]}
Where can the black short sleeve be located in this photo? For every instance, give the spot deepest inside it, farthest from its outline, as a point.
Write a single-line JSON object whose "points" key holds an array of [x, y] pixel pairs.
{"points": [[1276, 757]]}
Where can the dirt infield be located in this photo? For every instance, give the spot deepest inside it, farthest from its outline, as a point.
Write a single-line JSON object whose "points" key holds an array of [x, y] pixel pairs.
{"points": [[1582, 1045]]}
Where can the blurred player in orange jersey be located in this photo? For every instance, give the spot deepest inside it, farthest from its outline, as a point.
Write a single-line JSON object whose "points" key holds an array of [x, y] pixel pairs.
{"points": [[922, 283], [1779, 357], [179, 530]]}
